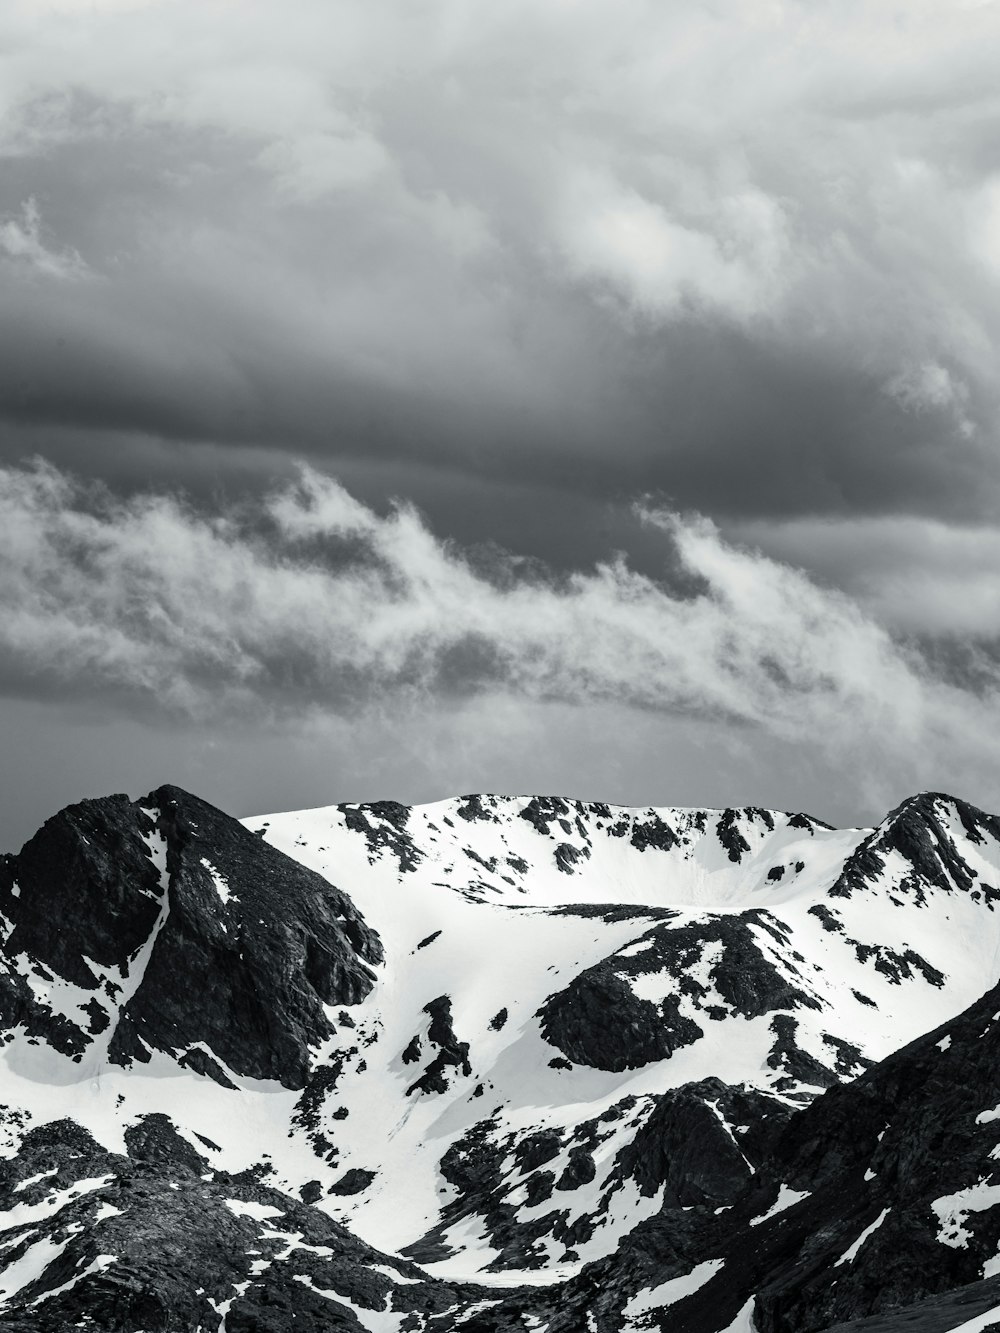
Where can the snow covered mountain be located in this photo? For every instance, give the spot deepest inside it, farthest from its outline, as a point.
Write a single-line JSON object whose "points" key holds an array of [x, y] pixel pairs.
{"points": [[500, 1063]]}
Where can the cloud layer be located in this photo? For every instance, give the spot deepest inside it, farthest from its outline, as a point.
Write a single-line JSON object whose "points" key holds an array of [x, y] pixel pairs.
{"points": [[746, 255], [312, 605], [520, 264]]}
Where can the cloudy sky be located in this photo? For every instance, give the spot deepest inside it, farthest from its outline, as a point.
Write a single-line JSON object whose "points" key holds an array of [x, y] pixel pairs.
{"points": [[407, 398]]}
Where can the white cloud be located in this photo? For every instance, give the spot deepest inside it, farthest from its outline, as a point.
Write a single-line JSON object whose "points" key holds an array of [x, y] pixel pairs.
{"points": [[22, 245], [311, 164], [729, 261], [917, 576], [339, 609]]}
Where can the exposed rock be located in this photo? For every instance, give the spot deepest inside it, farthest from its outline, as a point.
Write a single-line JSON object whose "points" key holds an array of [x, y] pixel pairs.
{"points": [[599, 1020], [262, 964], [353, 1181], [579, 1170], [158, 944], [383, 825], [452, 1053]]}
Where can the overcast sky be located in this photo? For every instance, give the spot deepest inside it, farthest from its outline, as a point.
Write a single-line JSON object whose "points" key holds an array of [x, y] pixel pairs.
{"points": [[406, 398]]}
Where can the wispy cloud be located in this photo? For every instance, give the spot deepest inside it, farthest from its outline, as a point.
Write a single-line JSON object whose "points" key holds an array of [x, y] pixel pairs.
{"points": [[21, 243], [917, 576], [311, 603]]}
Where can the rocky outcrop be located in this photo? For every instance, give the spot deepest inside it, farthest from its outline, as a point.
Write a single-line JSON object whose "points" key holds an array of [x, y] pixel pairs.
{"points": [[190, 935], [710, 970], [451, 1053], [890, 1181], [155, 1239]]}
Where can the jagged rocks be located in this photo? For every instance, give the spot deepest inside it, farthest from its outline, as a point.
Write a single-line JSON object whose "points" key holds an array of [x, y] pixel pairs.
{"points": [[799, 1066], [383, 825], [728, 832], [194, 936], [476, 807], [711, 969], [887, 1174], [598, 1020], [353, 1181], [157, 1240], [452, 1053], [595, 940], [579, 1169], [283, 945], [84, 887], [653, 832], [687, 1147], [567, 856], [534, 1150], [543, 811]]}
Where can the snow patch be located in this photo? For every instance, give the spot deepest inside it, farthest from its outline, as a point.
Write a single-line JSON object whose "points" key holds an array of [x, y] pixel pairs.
{"points": [[786, 1198], [219, 880], [671, 1291], [260, 1212], [953, 1209], [744, 1322], [850, 1254]]}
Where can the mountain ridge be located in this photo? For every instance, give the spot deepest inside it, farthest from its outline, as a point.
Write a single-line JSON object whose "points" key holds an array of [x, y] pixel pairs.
{"points": [[499, 1062]]}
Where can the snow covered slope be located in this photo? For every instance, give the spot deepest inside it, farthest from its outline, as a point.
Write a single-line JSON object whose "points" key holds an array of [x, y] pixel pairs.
{"points": [[593, 961], [493, 1062]]}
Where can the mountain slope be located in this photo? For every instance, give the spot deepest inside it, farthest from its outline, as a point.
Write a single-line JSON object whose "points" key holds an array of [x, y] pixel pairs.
{"points": [[494, 1063], [653, 949]]}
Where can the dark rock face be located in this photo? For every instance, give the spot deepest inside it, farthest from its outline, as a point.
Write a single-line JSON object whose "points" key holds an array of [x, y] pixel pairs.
{"points": [[155, 1142], [452, 1053], [653, 832], [89, 869], [881, 1164], [84, 887], [917, 830], [276, 954], [567, 856], [936, 1314], [579, 1169], [800, 1066], [476, 808], [598, 1019], [226, 944], [729, 835], [353, 1181], [535, 1150], [880, 1233], [184, 1242], [383, 824], [542, 811], [688, 1145]]}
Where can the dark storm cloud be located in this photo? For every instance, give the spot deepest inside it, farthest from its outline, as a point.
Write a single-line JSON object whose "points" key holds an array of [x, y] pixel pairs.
{"points": [[746, 259], [522, 266]]}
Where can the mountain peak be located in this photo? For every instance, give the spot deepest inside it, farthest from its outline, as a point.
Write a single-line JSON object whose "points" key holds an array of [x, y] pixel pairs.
{"points": [[183, 933], [307, 1053]]}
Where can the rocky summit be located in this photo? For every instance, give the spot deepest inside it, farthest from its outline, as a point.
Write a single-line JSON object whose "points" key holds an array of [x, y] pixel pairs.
{"points": [[500, 1064]]}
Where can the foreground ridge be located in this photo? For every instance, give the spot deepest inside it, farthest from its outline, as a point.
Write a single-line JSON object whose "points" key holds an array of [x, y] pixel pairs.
{"points": [[500, 1063]]}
